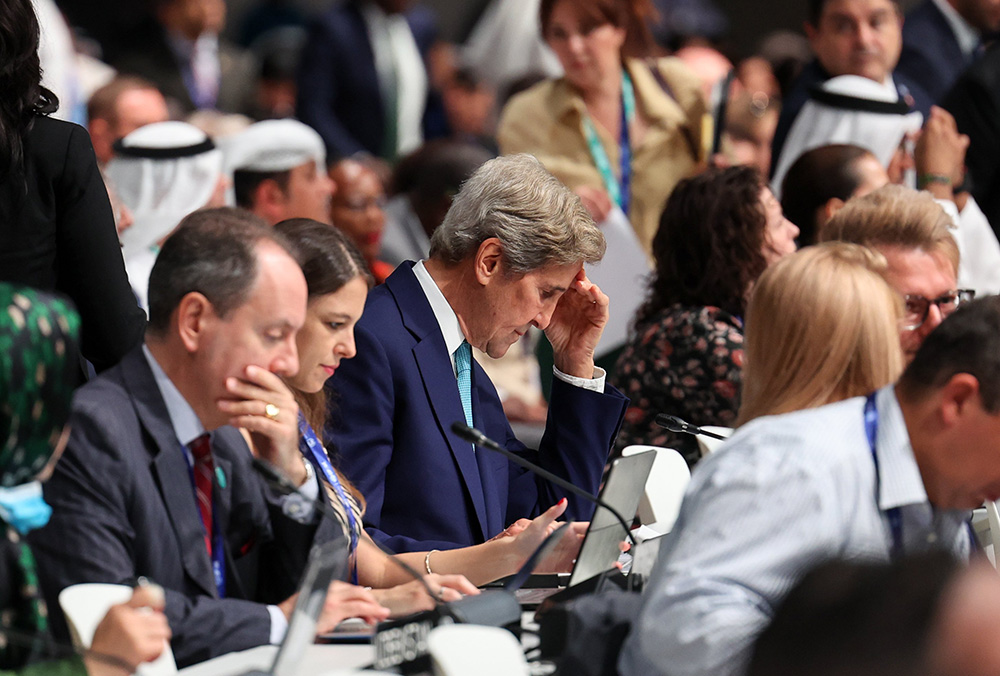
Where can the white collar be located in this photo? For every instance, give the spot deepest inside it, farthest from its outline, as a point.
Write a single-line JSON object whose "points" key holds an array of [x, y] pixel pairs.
{"points": [[968, 37], [446, 318], [186, 424], [900, 482]]}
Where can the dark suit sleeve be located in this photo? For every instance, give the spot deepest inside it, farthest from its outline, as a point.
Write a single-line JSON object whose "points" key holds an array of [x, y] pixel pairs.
{"points": [[89, 260], [91, 538], [319, 90], [975, 103], [579, 432]]}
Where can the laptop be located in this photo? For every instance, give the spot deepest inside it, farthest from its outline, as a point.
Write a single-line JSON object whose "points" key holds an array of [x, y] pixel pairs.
{"points": [[623, 488], [327, 562]]}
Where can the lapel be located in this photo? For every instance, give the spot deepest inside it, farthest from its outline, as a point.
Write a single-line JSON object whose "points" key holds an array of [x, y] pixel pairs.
{"points": [[435, 367], [170, 470]]}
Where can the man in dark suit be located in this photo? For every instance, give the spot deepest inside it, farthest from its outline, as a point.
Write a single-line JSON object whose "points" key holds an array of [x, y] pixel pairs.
{"points": [[975, 103], [180, 51], [850, 37], [941, 38], [508, 256], [363, 82], [153, 481]]}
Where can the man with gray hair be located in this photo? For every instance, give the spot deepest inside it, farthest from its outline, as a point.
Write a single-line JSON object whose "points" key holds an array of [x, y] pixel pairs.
{"points": [[508, 256]]}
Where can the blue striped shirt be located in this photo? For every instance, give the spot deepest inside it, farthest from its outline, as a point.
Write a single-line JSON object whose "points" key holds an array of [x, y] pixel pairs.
{"points": [[785, 493]]}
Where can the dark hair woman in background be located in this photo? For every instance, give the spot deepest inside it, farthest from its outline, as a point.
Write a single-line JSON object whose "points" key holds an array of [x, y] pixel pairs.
{"points": [[57, 230], [718, 233]]}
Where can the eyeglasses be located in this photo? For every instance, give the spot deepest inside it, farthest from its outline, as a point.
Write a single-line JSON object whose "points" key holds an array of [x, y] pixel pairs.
{"points": [[918, 307]]}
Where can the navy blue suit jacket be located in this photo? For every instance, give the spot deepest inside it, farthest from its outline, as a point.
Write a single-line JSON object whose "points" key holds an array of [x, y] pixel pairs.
{"points": [[394, 405], [975, 103], [931, 54], [338, 92], [814, 74], [123, 505]]}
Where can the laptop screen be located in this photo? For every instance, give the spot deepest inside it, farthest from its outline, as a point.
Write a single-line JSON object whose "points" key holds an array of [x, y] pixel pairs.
{"points": [[622, 490], [327, 562]]}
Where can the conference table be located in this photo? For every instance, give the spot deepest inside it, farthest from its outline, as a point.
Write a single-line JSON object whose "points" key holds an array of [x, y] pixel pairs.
{"points": [[330, 659]]}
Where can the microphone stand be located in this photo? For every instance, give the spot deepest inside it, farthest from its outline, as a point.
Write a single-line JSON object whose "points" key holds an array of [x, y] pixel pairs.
{"points": [[474, 436], [675, 424]]}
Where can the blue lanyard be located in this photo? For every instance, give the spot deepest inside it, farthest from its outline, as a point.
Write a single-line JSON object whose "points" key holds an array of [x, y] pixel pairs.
{"points": [[894, 515], [311, 447], [218, 544], [619, 191]]}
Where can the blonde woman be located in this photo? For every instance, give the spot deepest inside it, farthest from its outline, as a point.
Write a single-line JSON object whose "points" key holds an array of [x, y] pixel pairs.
{"points": [[822, 326]]}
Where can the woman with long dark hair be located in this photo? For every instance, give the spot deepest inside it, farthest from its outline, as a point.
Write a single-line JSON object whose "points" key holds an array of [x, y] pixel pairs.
{"points": [[718, 233], [57, 230]]}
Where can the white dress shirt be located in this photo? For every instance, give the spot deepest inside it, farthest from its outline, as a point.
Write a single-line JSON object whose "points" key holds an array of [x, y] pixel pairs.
{"points": [[453, 336], [398, 57], [968, 38], [785, 493]]}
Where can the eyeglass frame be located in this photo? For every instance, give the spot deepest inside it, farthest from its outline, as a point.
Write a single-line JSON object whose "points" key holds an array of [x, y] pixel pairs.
{"points": [[961, 297]]}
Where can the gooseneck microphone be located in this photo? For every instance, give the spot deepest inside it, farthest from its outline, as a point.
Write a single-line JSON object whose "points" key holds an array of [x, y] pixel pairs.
{"points": [[675, 424], [474, 436]]}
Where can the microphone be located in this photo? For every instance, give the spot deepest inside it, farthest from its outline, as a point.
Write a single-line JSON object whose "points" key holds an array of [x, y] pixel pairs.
{"points": [[675, 424], [474, 436]]}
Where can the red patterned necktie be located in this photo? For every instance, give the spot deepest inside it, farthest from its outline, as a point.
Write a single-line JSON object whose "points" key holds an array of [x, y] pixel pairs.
{"points": [[204, 469]]}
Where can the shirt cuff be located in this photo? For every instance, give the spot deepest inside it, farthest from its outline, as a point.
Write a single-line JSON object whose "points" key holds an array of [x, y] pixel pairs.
{"points": [[952, 210], [279, 625], [595, 384], [301, 505], [310, 489]]}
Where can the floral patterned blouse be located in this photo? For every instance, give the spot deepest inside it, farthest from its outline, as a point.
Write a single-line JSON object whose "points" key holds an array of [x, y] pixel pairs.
{"points": [[684, 361]]}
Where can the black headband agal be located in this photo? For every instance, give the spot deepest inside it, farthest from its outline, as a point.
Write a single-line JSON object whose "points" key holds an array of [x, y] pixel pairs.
{"points": [[845, 102], [162, 153]]}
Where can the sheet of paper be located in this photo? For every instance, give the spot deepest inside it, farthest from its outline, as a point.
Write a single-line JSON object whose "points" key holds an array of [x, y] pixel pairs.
{"points": [[622, 275]]}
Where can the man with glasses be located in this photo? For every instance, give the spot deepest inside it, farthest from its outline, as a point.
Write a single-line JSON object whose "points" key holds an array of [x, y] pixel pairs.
{"points": [[913, 233]]}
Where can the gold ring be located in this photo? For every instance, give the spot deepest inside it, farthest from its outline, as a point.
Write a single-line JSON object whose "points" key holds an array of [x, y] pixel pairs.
{"points": [[271, 411]]}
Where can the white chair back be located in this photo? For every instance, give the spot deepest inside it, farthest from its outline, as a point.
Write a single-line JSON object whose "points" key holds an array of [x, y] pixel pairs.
{"points": [[993, 516], [85, 605], [707, 444], [475, 650], [668, 478]]}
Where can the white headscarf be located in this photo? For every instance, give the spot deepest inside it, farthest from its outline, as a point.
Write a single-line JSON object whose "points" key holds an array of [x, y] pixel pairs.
{"points": [[848, 109], [274, 145], [162, 172]]}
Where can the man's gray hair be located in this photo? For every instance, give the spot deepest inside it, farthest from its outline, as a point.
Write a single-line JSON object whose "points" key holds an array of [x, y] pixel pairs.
{"points": [[538, 220]]}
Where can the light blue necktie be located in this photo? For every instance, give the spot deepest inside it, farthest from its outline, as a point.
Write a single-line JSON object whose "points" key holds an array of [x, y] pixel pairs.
{"points": [[463, 368]]}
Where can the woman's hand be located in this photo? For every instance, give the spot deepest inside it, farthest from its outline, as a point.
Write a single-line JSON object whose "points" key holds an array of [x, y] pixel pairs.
{"points": [[530, 537], [412, 597], [133, 632], [263, 405]]}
